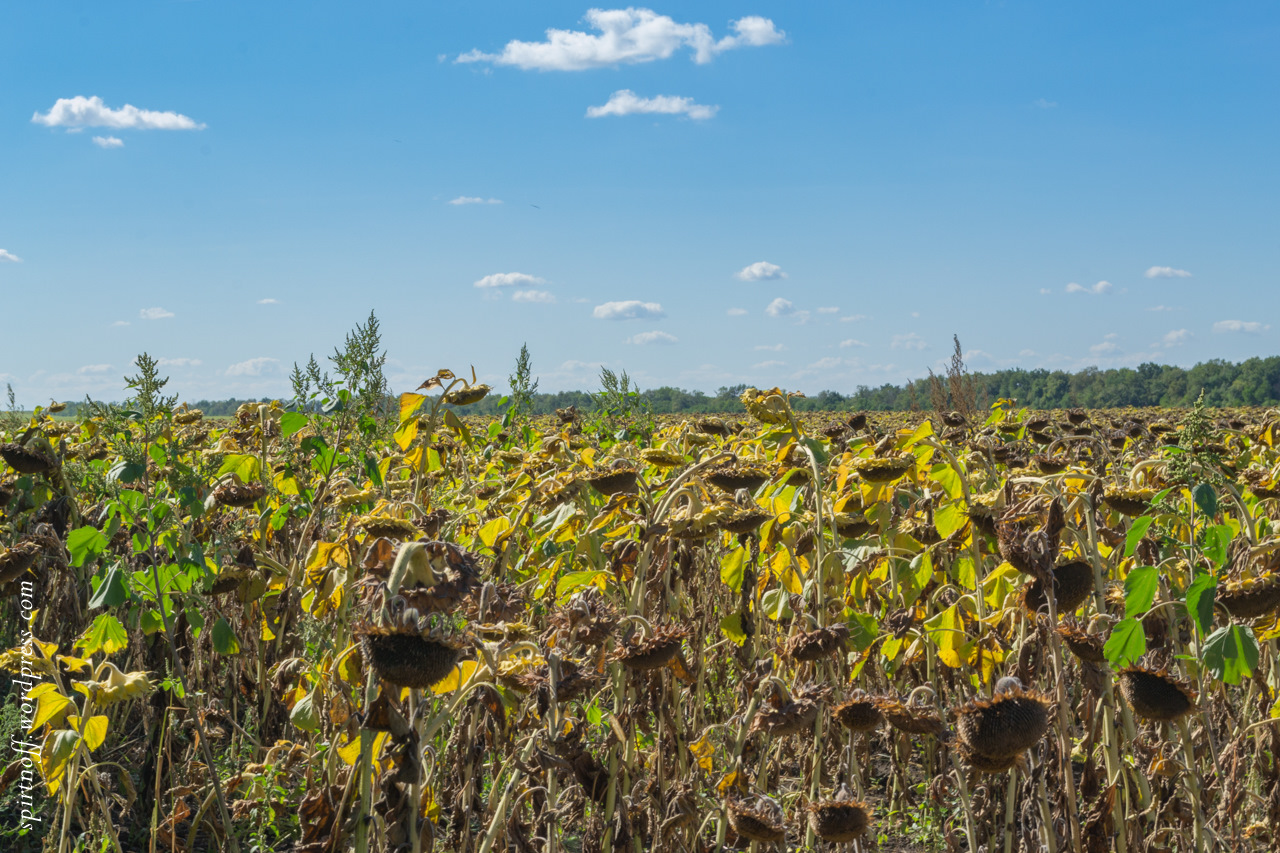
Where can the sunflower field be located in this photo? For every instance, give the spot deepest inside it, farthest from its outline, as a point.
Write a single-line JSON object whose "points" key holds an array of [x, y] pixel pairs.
{"points": [[345, 625]]}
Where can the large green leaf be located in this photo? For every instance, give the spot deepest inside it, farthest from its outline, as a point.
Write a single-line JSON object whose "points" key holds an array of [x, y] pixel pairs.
{"points": [[1127, 643], [85, 542], [1217, 540], [1231, 653], [1200, 598], [1135, 534], [224, 638], [1206, 499], [1140, 590], [244, 465], [732, 568], [732, 628], [106, 634], [292, 422], [112, 591]]}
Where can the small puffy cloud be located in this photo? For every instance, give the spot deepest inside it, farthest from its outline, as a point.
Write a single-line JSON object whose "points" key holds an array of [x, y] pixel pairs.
{"points": [[629, 309], [736, 312], [830, 310], [180, 362], [9, 257], [93, 369], [121, 323], [1166, 272], [760, 271], [509, 279], [625, 102], [1104, 348], [908, 341], [1044, 104], [851, 342], [780, 308], [771, 347], [108, 142], [853, 318], [765, 365], [533, 296], [626, 37], [1159, 308], [1044, 291], [253, 367], [647, 338], [471, 199], [155, 314], [1251, 327], [81, 112], [1177, 337], [269, 301], [1100, 287]]}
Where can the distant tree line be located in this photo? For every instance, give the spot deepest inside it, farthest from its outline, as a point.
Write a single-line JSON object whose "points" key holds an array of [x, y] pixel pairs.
{"points": [[1254, 382]]}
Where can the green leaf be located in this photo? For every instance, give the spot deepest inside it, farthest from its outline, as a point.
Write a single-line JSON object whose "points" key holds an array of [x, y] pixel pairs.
{"points": [[112, 592], [292, 422], [1140, 590], [1217, 540], [1206, 498], [732, 568], [732, 628], [1200, 597], [863, 629], [819, 451], [224, 639], [1127, 643], [85, 542], [150, 621], [1135, 534], [777, 604], [1231, 653], [246, 466], [574, 581], [126, 472], [106, 634], [949, 519]]}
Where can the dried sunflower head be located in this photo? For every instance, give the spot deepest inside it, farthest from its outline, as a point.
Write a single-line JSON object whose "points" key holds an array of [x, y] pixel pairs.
{"points": [[468, 395], [663, 458], [734, 476], [406, 656], [387, 527], [110, 686], [1125, 501], [1155, 695], [817, 644], [27, 460], [839, 820], [769, 407], [1072, 582], [1251, 598], [858, 713], [884, 469], [613, 481], [654, 651], [15, 561], [757, 819], [1087, 647], [1009, 723], [238, 495], [913, 720]]}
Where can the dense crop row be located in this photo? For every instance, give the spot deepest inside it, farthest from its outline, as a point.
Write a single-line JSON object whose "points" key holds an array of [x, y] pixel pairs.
{"points": [[323, 632]]}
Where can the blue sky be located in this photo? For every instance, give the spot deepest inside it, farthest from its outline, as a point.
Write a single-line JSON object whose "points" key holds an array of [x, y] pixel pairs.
{"points": [[809, 195]]}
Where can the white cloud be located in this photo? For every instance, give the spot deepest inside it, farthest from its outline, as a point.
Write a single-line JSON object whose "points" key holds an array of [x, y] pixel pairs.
{"points": [[826, 363], [155, 314], [630, 309], [1103, 348], [771, 347], [181, 362], [1251, 327], [908, 341], [1044, 291], [471, 199], [1100, 287], [253, 367], [851, 342], [625, 102], [1166, 272], [736, 312], [108, 142], [1044, 104], [509, 279], [1159, 308], [780, 308], [765, 365], [121, 323], [9, 257], [626, 36], [853, 318], [645, 338], [93, 368], [269, 301], [80, 112], [833, 310], [533, 296], [1177, 337], [760, 271]]}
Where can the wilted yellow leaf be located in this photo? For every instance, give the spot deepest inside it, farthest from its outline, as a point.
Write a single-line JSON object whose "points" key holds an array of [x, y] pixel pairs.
{"points": [[703, 750], [460, 675], [94, 730], [51, 705]]}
